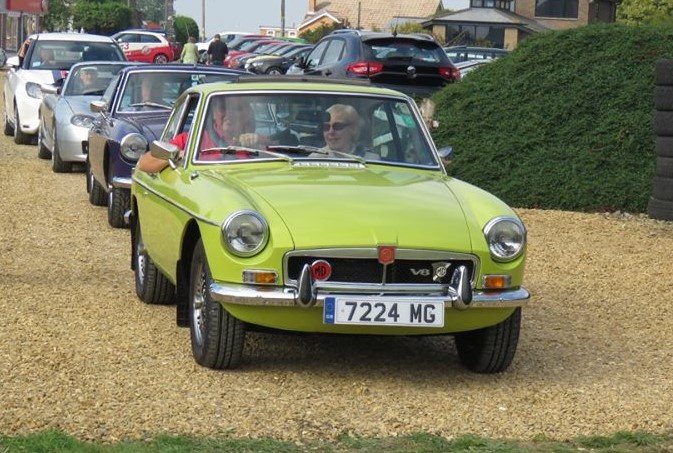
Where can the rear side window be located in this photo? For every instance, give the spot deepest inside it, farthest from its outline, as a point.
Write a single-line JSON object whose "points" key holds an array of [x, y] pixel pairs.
{"points": [[149, 39], [405, 50], [334, 51]]}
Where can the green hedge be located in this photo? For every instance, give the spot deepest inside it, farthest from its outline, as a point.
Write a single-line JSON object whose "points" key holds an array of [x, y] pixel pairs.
{"points": [[564, 122]]}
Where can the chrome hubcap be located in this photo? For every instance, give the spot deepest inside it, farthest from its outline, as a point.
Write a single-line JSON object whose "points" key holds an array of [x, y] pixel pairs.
{"points": [[199, 306], [140, 261]]}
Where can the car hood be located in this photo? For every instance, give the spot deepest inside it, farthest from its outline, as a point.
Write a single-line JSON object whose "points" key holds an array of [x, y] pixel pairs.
{"points": [[359, 207], [150, 125], [45, 76], [80, 105]]}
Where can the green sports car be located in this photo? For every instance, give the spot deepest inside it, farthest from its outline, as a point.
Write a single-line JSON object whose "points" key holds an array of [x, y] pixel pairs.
{"points": [[325, 208]]}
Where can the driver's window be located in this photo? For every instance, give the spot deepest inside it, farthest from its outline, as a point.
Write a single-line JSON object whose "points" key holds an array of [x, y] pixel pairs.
{"points": [[314, 57]]}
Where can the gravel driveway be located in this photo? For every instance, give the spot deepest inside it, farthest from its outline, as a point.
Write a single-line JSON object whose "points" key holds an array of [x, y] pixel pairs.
{"points": [[80, 353]]}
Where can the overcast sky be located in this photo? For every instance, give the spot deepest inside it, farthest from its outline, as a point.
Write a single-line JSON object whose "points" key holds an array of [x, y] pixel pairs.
{"points": [[248, 15]]}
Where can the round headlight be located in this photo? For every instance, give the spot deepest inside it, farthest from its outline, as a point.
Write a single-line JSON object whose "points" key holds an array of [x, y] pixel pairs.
{"points": [[34, 91], [245, 233], [82, 120], [506, 238], [133, 146]]}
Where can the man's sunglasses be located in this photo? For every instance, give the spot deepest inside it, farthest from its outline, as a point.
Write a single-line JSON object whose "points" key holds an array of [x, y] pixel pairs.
{"points": [[335, 126]]}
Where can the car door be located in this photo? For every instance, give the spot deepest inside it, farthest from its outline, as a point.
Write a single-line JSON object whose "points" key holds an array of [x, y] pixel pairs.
{"points": [[312, 62], [129, 42], [160, 229]]}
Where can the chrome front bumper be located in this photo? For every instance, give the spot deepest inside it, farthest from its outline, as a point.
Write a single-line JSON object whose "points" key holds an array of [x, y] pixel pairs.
{"points": [[121, 183], [458, 294]]}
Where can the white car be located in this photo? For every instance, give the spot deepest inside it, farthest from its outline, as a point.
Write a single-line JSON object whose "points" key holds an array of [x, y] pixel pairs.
{"points": [[46, 58], [146, 46], [225, 36]]}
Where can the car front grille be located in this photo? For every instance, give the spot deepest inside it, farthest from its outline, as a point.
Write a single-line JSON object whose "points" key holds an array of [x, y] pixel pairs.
{"points": [[367, 269]]}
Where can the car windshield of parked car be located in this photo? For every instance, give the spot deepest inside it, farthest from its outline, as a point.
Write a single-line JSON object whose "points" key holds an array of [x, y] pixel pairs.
{"points": [[90, 80], [61, 55], [389, 49], [146, 91], [363, 129]]}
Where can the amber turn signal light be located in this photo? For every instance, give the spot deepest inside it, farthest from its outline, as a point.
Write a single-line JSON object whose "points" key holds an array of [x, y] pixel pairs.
{"points": [[260, 277], [497, 281]]}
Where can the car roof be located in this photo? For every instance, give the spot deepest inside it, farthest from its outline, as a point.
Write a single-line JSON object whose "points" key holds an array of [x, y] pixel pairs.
{"points": [[291, 83], [103, 63], [366, 35], [177, 67], [141, 32], [78, 37]]}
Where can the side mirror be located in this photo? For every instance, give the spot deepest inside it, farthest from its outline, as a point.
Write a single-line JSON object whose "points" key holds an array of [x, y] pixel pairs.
{"points": [[98, 106], [165, 151], [50, 89], [13, 62], [446, 154]]}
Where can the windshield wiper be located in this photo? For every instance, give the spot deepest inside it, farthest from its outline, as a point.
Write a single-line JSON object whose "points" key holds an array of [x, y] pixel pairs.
{"points": [[151, 104], [258, 152], [313, 149]]}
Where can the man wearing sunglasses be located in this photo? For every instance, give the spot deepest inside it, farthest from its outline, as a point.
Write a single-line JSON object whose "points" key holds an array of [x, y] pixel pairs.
{"points": [[342, 131]]}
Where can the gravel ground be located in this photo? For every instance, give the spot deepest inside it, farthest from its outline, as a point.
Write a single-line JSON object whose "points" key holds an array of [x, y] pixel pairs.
{"points": [[80, 353]]}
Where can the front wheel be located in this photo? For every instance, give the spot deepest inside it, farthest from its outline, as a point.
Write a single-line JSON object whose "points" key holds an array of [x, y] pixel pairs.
{"points": [[274, 70], [20, 138], [9, 129], [152, 287], [96, 191], [491, 349], [42, 151], [217, 337], [58, 165]]}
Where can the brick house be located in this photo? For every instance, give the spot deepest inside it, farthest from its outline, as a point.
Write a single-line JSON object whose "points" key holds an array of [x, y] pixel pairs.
{"points": [[504, 23], [366, 14]]}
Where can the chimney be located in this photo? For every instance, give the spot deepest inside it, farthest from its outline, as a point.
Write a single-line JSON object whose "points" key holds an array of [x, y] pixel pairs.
{"points": [[312, 5]]}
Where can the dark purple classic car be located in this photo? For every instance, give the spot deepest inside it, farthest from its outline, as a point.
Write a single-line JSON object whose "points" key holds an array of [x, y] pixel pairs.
{"points": [[131, 114]]}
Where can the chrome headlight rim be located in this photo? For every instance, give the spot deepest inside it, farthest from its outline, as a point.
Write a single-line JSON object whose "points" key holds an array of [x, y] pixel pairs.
{"points": [[81, 120], [133, 145], [264, 231], [489, 229], [34, 90]]}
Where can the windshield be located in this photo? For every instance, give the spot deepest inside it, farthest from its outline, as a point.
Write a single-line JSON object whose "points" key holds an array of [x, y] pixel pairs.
{"points": [[317, 126], [145, 91], [61, 55], [90, 80]]}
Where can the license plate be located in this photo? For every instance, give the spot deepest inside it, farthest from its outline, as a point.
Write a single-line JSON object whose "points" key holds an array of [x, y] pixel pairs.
{"points": [[382, 312]]}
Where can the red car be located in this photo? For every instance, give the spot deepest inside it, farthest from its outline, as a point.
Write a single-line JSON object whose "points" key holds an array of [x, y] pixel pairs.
{"points": [[145, 46]]}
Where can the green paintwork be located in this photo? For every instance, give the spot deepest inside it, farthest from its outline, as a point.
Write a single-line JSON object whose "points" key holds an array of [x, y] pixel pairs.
{"points": [[319, 207]]}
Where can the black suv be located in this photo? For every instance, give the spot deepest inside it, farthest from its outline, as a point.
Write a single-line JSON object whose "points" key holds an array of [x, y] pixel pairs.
{"points": [[414, 64]]}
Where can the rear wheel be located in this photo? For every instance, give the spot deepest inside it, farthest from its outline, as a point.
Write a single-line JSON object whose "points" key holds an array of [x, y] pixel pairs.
{"points": [[490, 350], [96, 191], [161, 59], [117, 205], [217, 337], [152, 287], [58, 164]]}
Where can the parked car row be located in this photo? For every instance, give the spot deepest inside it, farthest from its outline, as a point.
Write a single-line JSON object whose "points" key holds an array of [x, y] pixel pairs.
{"points": [[289, 203]]}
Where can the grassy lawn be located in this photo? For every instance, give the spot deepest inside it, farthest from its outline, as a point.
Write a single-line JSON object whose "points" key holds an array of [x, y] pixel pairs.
{"points": [[53, 441]]}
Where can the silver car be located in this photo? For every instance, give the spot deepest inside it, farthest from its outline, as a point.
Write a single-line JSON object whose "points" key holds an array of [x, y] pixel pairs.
{"points": [[65, 115]]}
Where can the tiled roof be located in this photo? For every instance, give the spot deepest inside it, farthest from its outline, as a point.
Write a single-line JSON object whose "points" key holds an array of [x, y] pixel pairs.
{"points": [[377, 13], [487, 16]]}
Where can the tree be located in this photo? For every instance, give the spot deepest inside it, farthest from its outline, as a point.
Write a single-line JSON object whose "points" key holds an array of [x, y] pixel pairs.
{"points": [[104, 17], [153, 10], [184, 28], [313, 36], [637, 12], [57, 17]]}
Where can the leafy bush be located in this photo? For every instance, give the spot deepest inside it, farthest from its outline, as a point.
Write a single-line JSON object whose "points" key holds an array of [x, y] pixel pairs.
{"points": [[564, 122], [184, 28], [101, 17]]}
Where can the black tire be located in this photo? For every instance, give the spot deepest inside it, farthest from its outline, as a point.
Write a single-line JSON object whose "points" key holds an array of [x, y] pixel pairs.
{"points": [[97, 195], [20, 138], [161, 59], [217, 337], [664, 167], [662, 188], [660, 209], [9, 129], [152, 287], [58, 165], [117, 205], [490, 350], [663, 146], [663, 72], [663, 97], [274, 70], [42, 151]]}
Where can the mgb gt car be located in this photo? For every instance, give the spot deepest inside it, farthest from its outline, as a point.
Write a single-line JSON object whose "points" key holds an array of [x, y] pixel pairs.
{"points": [[321, 207]]}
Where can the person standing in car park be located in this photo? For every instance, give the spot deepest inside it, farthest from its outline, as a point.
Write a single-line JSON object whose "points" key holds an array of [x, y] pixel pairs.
{"points": [[190, 54], [217, 51]]}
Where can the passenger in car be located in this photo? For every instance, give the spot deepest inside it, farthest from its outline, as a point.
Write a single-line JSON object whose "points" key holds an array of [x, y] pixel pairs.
{"points": [[342, 131]]}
